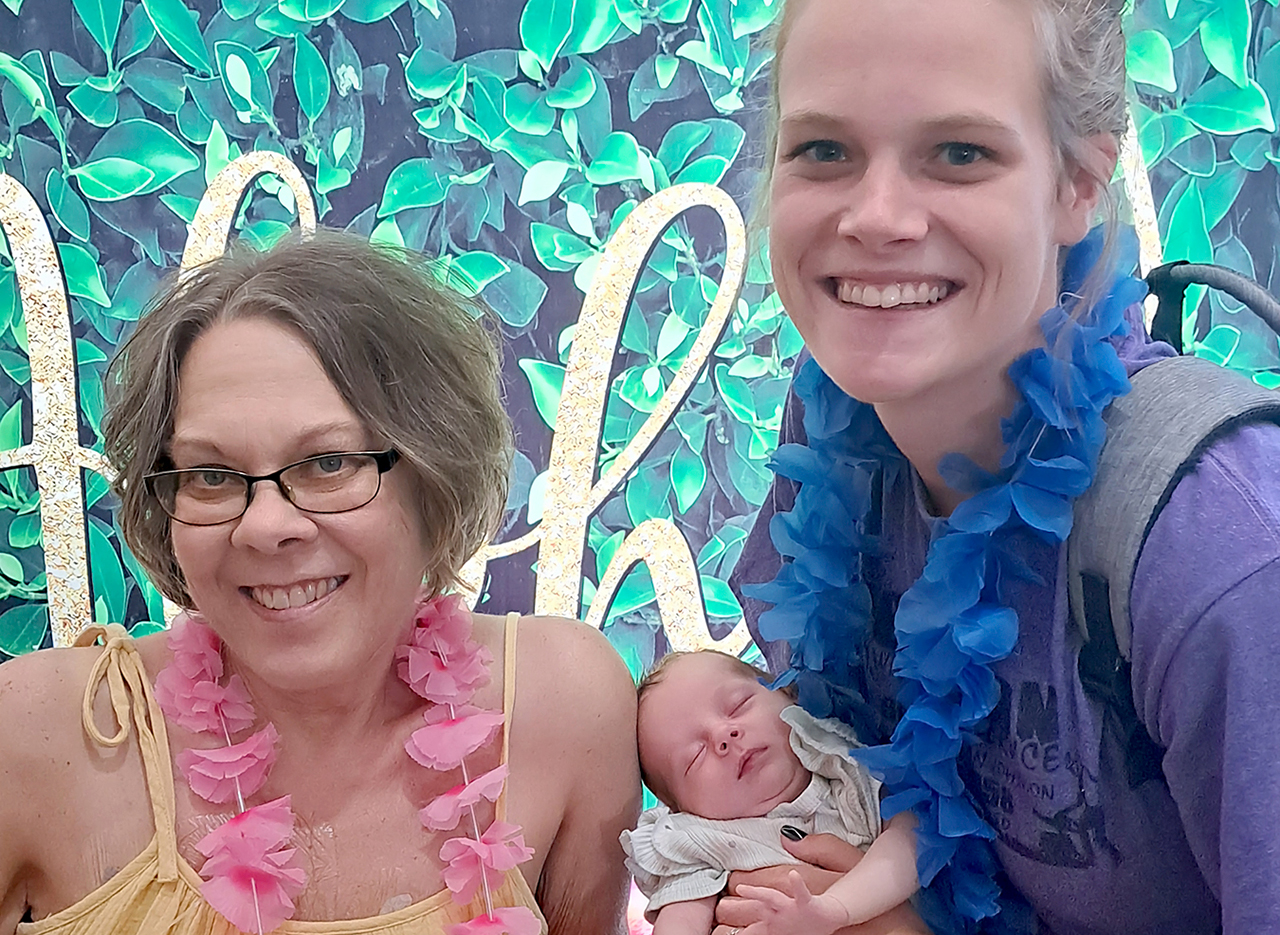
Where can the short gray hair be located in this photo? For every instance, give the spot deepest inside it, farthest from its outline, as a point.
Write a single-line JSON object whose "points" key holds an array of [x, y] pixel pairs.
{"points": [[411, 357]]}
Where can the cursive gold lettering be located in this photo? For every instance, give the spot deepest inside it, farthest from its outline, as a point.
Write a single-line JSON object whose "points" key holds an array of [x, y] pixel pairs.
{"points": [[211, 227], [571, 497], [54, 451]]}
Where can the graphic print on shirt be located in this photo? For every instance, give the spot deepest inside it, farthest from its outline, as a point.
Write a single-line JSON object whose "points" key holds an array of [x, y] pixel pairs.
{"points": [[1038, 795]]}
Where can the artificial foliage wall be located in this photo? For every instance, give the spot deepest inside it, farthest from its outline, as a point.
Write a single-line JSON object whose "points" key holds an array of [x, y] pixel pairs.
{"points": [[512, 138], [1206, 104]]}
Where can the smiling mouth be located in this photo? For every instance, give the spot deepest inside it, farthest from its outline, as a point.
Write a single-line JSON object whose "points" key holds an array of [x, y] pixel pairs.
{"points": [[892, 295], [295, 595]]}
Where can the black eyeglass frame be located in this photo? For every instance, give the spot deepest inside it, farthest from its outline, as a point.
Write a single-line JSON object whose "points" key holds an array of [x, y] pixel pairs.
{"points": [[383, 460]]}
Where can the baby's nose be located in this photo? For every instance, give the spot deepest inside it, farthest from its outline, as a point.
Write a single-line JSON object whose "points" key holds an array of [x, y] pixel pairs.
{"points": [[734, 734]]}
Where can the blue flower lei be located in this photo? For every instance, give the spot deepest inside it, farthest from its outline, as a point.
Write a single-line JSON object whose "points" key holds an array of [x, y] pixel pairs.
{"points": [[953, 624]]}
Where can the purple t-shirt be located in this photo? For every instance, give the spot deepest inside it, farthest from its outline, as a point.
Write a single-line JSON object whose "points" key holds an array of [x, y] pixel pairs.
{"points": [[1190, 851]]}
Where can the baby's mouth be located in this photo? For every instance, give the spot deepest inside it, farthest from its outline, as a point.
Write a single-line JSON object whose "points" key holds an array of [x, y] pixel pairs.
{"points": [[748, 761]]}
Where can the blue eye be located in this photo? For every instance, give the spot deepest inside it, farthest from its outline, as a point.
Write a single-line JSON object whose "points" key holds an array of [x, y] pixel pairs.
{"points": [[819, 151], [962, 154]]}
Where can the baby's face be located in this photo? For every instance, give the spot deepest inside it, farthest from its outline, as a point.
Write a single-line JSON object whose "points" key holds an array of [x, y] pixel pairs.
{"points": [[710, 734]]}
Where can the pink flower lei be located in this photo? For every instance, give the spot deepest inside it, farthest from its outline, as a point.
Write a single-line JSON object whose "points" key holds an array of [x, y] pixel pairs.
{"points": [[249, 871]]}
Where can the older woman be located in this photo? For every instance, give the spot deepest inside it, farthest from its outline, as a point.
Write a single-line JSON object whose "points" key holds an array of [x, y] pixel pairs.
{"points": [[938, 164], [310, 443]]}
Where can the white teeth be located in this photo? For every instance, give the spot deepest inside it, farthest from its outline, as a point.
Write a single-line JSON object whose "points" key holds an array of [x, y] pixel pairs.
{"points": [[296, 595], [891, 295]]}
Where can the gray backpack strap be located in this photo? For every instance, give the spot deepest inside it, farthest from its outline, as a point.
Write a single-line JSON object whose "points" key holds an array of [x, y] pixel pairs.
{"points": [[1155, 433]]}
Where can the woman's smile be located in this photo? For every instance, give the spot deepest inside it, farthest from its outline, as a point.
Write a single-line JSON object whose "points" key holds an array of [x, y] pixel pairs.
{"points": [[921, 193], [916, 292], [292, 596]]}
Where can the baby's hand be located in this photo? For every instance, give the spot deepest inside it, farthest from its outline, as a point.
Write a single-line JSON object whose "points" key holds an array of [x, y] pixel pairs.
{"points": [[799, 913]]}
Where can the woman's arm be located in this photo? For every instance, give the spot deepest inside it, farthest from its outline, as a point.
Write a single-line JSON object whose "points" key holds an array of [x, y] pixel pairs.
{"points": [[35, 754], [14, 854], [1206, 667], [576, 720], [693, 917], [826, 861]]}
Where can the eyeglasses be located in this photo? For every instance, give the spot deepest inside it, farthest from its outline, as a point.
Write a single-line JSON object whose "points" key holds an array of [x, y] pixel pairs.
{"points": [[329, 483]]}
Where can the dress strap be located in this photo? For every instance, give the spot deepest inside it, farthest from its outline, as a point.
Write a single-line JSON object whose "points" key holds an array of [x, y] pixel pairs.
{"points": [[508, 698], [132, 701]]}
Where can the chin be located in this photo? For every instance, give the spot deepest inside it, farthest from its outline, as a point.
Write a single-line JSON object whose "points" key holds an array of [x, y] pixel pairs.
{"points": [[877, 380]]}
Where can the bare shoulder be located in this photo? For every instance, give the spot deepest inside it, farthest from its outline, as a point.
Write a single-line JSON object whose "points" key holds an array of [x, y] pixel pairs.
{"points": [[39, 694], [575, 701], [41, 744], [572, 666], [575, 723], [54, 779], [42, 738]]}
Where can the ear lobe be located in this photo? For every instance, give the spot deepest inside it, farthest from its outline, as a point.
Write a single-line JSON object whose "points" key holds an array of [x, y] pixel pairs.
{"points": [[1087, 173]]}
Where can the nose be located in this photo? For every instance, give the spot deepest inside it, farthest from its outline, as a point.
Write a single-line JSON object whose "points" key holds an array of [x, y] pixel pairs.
{"points": [[728, 735], [271, 522], [883, 208]]}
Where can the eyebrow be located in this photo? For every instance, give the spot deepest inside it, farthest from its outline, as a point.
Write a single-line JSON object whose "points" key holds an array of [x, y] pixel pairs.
{"points": [[309, 437], [957, 121]]}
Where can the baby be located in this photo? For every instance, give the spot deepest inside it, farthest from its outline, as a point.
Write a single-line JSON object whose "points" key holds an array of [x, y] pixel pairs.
{"points": [[738, 766]]}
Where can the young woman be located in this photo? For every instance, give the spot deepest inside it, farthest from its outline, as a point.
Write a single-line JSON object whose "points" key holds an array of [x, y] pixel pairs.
{"points": [[311, 442], [937, 167]]}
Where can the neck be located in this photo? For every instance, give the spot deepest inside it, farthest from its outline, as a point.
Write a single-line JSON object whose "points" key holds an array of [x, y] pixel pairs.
{"points": [[340, 712], [960, 417]]}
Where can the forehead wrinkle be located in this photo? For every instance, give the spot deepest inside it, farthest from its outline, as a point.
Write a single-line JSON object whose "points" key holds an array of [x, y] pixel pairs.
{"points": [[198, 442]]}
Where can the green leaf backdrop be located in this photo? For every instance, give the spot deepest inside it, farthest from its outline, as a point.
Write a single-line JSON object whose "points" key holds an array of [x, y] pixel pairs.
{"points": [[511, 137]]}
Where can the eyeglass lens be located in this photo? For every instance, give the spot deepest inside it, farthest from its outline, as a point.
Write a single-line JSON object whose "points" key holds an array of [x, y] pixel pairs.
{"points": [[326, 484]]}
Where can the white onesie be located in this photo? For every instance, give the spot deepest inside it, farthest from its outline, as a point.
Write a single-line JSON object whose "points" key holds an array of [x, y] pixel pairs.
{"points": [[676, 857]]}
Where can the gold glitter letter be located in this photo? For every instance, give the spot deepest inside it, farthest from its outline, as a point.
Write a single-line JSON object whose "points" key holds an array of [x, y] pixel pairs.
{"points": [[211, 226], [658, 544], [55, 450], [571, 497]]}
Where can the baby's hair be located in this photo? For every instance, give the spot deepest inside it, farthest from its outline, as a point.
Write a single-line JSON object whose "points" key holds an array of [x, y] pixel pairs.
{"points": [[658, 674]]}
